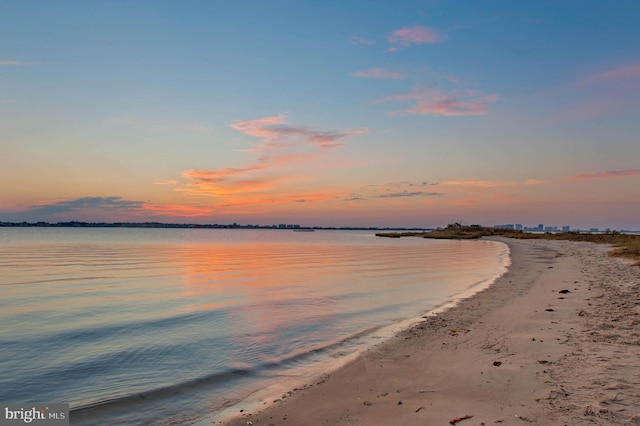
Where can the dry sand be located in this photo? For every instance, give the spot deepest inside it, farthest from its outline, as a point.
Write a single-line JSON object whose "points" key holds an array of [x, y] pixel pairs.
{"points": [[555, 341]]}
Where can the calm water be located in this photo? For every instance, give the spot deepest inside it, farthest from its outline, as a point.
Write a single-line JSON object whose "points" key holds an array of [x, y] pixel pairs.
{"points": [[141, 326]]}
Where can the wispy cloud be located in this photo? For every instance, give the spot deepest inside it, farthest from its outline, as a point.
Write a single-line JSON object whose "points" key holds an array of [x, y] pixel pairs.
{"points": [[445, 103], [359, 41], [612, 92], [275, 129], [286, 155], [405, 194], [88, 203], [626, 72], [166, 182], [380, 73], [390, 190], [606, 175], [177, 210], [477, 183], [418, 34], [263, 128], [199, 177]]}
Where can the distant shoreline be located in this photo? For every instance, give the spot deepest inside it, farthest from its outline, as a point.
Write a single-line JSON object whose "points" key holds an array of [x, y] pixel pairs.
{"points": [[388, 231], [76, 224]]}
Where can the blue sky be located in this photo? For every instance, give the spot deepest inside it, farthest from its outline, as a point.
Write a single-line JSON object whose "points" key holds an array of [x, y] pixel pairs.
{"points": [[328, 113]]}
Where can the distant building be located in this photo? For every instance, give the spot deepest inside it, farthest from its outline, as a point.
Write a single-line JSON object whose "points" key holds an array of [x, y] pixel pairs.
{"points": [[566, 228], [518, 227], [507, 226], [594, 229], [538, 228]]}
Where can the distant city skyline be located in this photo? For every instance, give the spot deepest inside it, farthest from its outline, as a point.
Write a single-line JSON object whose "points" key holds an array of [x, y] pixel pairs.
{"points": [[386, 114], [551, 228]]}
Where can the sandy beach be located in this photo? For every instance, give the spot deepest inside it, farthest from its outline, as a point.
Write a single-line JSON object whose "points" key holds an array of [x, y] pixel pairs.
{"points": [[554, 341]]}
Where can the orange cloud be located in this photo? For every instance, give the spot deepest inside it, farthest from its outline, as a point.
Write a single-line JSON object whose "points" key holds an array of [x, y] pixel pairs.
{"points": [[273, 176], [177, 210], [380, 73], [253, 203], [453, 103], [234, 187], [535, 182], [200, 177], [606, 175]]}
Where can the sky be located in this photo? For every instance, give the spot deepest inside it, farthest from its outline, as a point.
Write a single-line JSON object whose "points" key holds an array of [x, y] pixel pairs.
{"points": [[321, 113]]}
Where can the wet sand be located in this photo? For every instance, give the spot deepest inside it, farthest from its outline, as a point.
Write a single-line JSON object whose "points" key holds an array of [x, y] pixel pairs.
{"points": [[554, 341]]}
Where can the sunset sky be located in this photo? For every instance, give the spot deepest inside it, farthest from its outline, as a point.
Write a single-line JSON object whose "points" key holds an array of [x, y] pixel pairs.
{"points": [[329, 113]]}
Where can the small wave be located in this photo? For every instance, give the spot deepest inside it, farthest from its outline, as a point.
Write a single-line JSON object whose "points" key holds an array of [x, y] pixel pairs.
{"points": [[155, 397]]}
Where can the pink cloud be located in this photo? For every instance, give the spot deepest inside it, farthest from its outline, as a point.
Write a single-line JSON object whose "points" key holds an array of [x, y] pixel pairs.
{"points": [[622, 73], [454, 103], [276, 129], [381, 73], [359, 41], [607, 175], [414, 35], [261, 127]]}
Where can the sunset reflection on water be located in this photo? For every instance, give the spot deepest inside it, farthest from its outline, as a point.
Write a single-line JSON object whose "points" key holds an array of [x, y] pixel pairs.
{"points": [[100, 314]]}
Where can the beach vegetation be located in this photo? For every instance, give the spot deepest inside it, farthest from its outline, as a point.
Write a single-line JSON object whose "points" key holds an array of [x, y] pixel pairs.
{"points": [[624, 245]]}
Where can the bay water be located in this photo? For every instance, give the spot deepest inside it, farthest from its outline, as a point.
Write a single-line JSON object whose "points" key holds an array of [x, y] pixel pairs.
{"points": [[186, 326]]}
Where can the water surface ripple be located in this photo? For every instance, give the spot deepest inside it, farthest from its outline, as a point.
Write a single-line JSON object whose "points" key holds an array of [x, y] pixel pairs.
{"points": [[171, 325]]}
